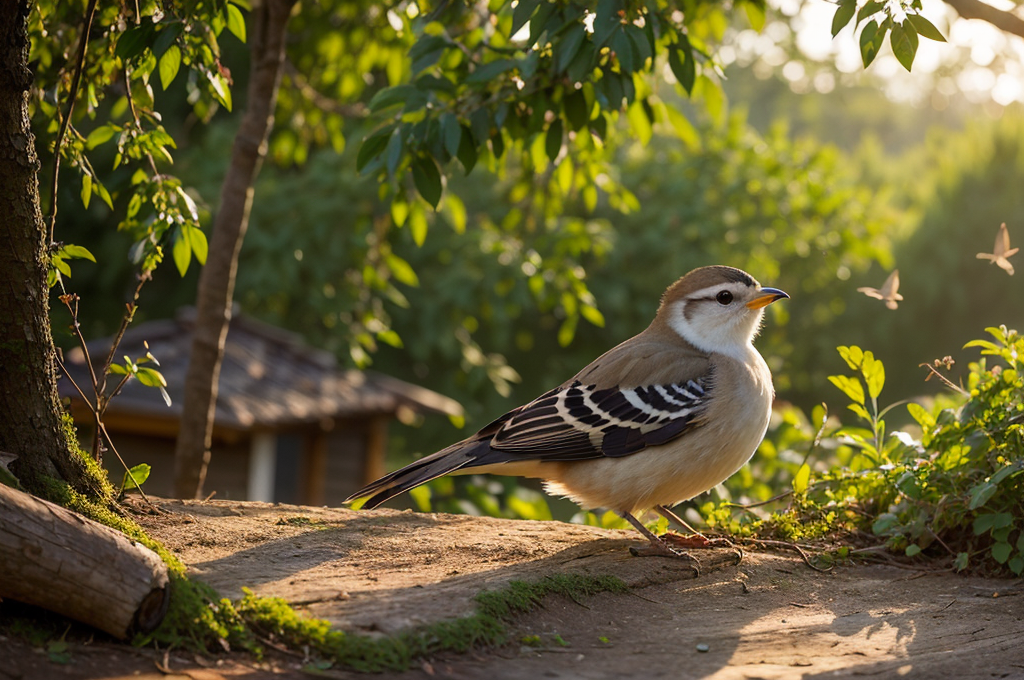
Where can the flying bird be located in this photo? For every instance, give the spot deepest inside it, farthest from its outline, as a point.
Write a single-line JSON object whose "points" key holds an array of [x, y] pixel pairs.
{"points": [[888, 293], [1001, 253], [657, 420]]}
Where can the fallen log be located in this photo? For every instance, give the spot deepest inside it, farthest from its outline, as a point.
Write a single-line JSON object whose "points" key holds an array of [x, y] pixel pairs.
{"points": [[53, 558]]}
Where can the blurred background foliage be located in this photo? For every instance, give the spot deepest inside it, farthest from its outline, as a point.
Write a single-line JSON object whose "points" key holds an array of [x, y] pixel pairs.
{"points": [[524, 277]]}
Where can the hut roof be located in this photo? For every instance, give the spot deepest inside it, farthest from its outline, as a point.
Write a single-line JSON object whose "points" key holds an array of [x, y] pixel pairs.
{"points": [[270, 378]]}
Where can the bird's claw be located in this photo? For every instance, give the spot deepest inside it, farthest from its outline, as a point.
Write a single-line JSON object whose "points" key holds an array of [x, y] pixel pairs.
{"points": [[695, 541], [662, 549]]}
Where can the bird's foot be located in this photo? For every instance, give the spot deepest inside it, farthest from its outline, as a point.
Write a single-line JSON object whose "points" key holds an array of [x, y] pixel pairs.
{"points": [[697, 541], [660, 548]]}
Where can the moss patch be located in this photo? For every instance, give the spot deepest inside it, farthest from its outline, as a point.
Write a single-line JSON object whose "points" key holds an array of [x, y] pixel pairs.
{"points": [[273, 618]]}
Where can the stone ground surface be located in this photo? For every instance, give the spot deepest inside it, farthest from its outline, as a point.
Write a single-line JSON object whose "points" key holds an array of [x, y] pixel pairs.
{"points": [[377, 572]]}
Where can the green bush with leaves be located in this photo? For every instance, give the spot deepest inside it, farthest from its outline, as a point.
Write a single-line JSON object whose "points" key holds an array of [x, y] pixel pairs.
{"points": [[958, 488]]}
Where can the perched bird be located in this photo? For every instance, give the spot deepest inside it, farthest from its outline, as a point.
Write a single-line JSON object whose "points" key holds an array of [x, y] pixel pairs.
{"points": [[1001, 252], [660, 418], [888, 293]]}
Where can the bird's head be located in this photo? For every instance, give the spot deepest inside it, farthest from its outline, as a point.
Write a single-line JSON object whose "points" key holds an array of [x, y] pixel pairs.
{"points": [[716, 309]]}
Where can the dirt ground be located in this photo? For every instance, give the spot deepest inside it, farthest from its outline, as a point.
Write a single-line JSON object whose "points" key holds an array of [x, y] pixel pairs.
{"points": [[377, 572]]}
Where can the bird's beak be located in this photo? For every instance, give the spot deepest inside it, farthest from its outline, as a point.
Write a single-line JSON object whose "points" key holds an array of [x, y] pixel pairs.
{"points": [[765, 297]]}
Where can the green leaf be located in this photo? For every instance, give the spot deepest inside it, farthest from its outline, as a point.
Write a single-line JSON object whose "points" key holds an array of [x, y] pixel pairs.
{"points": [[871, 39], [182, 250], [755, 15], [565, 49], [427, 179], [622, 46], [983, 523], [390, 337], [567, 331], [904, 43], [200, 246], [486, 72], [101, 135], [925, 28], [961, 561], [467, 150], [372, 146], [399, 211], [401, 270], [870, 8], [76, 252], [860, 411], [86, 190], [220, 88], [592, 314], [1001, 552], [576, 111], [170, 62], [394, 151], [874, 374], [553, 140], [236, 22], [150, 377], [844, 13], [980, 494], [921, 415], [452, 132], [1016, 565], [133, 41], [853, 356], [912, 549], [418, 224], [392, 96], [136, 476], [851, 387], [682, 64], [802, 479]]}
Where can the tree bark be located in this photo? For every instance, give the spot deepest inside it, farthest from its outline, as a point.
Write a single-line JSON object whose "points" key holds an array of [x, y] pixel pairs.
{"points": [[31, 427], [217, 281], [51, 557]]}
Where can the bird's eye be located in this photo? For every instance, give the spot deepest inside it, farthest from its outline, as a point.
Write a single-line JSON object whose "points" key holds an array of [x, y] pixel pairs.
{"points": [[724, 297]]}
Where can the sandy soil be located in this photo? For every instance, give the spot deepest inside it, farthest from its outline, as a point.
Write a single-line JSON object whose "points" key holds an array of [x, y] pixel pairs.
{"points": [[377, 572]]}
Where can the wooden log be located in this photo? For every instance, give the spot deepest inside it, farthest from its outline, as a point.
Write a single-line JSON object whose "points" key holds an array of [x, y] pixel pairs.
{"points": [[54, 558]]}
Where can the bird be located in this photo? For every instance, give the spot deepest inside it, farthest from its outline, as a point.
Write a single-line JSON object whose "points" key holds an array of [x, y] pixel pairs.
{"points": [[1001, 253], [888, 292], [656, 420]]}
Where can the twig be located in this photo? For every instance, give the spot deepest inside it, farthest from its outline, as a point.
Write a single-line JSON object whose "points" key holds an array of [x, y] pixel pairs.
{"points": [[76, 80], [135, 117], [949, 383], [791, 546], [110, 443]]}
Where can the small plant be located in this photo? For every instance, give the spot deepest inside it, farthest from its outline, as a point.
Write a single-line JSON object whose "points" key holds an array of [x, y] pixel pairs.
{"points": [[960, 488]]}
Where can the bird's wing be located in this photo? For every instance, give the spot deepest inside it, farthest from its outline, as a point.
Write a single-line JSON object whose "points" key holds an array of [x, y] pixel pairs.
{"points": [[1002, 241], [891, 285], [578, 421], [1005, 265], [871, 292]]}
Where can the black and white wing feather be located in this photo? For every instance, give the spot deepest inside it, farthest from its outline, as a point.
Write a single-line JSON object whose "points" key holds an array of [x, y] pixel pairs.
{"points": [[578, 422]]}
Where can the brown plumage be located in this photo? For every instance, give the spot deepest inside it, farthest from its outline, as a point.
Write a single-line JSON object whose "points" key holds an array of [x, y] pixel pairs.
{"points": [[660, 418]]}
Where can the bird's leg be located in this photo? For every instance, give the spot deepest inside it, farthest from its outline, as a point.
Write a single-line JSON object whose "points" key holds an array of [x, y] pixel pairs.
{"points": [[697, 540], [657, 546], [677, 520]]}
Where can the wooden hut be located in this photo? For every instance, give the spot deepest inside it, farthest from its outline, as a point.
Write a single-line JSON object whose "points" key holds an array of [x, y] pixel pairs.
{"points": [[290, 425]]}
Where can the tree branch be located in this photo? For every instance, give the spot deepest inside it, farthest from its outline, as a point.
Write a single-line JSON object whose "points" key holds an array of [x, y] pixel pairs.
{"points": [[975, 9]]}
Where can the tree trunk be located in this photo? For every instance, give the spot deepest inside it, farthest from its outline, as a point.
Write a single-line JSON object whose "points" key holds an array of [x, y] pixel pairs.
{"points": [[31, 427], [217, 281], [52, 558]]}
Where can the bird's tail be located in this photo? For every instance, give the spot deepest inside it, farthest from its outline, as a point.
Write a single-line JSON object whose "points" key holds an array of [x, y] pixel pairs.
{"points": [[422, 471]]}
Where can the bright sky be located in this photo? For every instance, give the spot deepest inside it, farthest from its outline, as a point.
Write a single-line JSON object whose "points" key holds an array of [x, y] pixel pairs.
{"points": [[979, 60]]}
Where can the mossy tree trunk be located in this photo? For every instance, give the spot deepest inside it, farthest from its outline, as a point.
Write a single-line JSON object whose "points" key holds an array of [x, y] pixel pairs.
{"points": [[31, 425]]}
